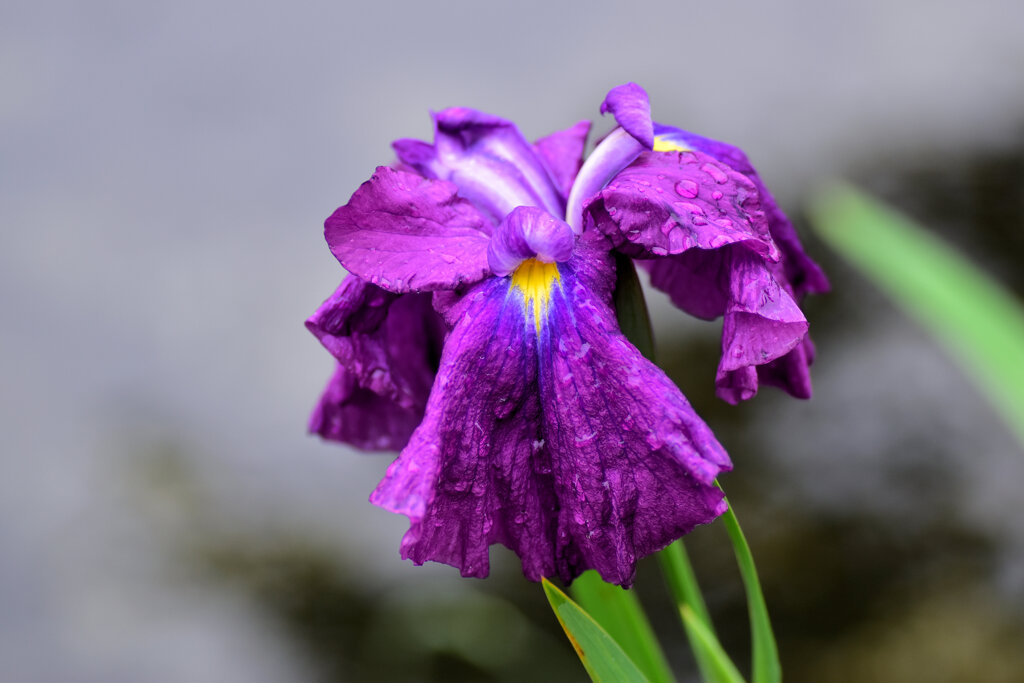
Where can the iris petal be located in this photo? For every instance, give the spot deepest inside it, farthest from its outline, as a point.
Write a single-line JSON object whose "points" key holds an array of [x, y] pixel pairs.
{"points": [[803, 274], [562, 153], [351, 414], [387, 347], [405, 233], [614, 153], [488, 158], [668, 203], [565, 445], [631, 108], [528, 232]]}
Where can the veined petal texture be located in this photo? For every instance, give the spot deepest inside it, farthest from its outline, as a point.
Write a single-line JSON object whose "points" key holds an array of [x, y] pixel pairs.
{"points": [[558, 440], [406, 233], [667, 203], [717, 258], [802, 273], [490, 161], [388, 347]]}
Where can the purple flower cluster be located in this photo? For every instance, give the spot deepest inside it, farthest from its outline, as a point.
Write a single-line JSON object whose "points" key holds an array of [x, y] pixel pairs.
{"points": [[475, 332]]}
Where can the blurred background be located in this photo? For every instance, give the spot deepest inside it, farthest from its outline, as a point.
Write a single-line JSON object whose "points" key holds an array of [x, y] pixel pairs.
{"points": [[165, 170]]}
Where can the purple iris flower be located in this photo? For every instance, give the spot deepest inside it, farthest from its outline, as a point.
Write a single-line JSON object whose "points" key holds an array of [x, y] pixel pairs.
{"points": [[475, 331], [716, 241], [545, 429]]}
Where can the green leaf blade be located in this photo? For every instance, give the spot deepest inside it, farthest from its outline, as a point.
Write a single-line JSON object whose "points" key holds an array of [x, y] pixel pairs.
{"points": [[621, 615], [601, 656], [715, 665], [978, 321], [765, 651]]}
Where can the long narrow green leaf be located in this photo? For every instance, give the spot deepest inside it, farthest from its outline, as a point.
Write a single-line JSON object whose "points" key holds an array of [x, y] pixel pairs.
{"points": [[766, 667], [619, 612], [980, 323], [602, 657], [716, 667], [675, 565], [682, 581]]}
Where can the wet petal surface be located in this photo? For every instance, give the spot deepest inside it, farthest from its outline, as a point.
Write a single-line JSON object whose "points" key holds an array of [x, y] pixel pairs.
{"points": [[405, 233], [559, 440], [388, 348]]}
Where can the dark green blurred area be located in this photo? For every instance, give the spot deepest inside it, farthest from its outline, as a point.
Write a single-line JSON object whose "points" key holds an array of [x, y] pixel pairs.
{"points": [[911, 590]]}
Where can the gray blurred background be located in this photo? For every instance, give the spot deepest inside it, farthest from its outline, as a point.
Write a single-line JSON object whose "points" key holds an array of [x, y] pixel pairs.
{"points": [[165, 169]]}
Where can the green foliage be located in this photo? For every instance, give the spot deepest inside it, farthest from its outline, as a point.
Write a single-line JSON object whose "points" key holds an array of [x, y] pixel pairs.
{"points": [[715, 665], [619, 612], [766, 667], [602, 657], [980, 323]]}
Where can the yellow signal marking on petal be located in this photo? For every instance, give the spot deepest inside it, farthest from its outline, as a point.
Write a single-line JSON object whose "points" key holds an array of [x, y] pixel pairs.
{"points": [[534, 279], [663, 144]]}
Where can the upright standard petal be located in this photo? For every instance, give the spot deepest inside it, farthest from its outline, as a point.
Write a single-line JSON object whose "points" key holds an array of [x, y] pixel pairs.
{"points": [[548, 432], [615, 152], [405, 233], [562, 154], [488, 159], [631, 108], [388, 348]]}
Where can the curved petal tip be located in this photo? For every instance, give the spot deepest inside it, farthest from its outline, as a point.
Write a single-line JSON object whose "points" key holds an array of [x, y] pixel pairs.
{"points": [[631, 108]]}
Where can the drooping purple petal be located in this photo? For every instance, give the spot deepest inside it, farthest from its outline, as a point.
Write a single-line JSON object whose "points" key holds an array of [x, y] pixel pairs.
{"points": [[562, 154], [668, 203], [359, 417], [805, 276], [791, 372], [631, 108], [489, 160], [559, 441], [388, 349], [529, 232], [405, 233], [763, 322]]}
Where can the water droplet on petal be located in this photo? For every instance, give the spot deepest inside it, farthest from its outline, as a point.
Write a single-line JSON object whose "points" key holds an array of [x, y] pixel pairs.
{"points": [[717, 174], [687, 188], [716, 195]]}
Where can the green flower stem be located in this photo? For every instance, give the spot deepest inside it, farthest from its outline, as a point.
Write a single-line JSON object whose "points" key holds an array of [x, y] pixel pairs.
{"points": [[715, 665], [675, 564], [620, 613], [766, 668], [682, 581]]}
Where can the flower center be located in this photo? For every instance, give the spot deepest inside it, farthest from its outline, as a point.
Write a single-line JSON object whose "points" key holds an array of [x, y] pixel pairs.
{"points": [[534, 279], [664, 144]]}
